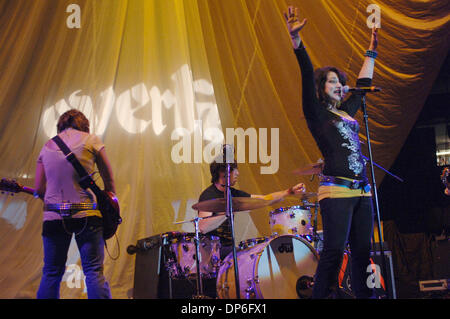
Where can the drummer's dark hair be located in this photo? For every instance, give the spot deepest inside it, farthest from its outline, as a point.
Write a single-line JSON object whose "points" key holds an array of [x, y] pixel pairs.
{"points": [[216, 168]]}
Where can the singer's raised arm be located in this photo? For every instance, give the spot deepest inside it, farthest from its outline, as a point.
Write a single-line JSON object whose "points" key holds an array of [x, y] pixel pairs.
{"points": [[310, 102], [353, 103]]}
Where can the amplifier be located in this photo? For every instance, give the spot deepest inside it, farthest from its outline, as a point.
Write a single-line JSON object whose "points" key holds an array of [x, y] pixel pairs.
{"points": [[151, 278], [149, 272], [385, 284]]}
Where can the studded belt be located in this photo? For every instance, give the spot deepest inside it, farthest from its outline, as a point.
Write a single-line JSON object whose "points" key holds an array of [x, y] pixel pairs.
{"points": [[352, 184], [68, 209]]}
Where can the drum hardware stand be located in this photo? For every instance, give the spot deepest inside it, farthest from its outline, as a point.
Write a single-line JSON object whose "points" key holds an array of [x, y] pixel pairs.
{"points": [[199, 294], [197, 262], [228, 158], [315, 235], [169, 275]]}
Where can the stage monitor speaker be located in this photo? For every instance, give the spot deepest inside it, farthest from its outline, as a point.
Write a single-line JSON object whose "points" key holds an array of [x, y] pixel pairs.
{"points": [[151, 278], [149, 266]]}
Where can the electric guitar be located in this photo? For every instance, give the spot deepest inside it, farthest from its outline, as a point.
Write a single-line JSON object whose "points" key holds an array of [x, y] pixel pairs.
{"points": [[11, 186], [106, 201]]}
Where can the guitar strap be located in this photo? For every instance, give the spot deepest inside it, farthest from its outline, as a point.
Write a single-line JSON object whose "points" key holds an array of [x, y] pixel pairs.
{"points": [[85, 179]]}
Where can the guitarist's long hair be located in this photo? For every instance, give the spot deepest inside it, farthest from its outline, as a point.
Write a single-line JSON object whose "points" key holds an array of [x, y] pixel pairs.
{"points": [[74, 119]]}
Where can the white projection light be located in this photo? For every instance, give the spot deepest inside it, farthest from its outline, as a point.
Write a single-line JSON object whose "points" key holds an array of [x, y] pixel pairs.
{"points": [[139, 107]]}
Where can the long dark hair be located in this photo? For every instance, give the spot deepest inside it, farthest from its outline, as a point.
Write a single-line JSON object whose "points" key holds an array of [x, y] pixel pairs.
{"points": [[320, 77], [74, 119]]}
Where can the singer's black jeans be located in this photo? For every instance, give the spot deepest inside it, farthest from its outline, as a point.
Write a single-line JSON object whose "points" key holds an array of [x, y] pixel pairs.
{"points": [[344, 219]]}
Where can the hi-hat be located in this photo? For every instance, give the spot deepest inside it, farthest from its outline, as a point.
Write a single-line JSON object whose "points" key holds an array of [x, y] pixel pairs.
{"points": [[240, 204], [311, 169]]}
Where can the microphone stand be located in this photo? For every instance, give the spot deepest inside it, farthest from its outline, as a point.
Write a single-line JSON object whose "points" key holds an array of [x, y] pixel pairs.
{"points": [[377, 207], [230, 216]]}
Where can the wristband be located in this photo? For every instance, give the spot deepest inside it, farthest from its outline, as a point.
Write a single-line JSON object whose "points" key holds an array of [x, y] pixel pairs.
{"points": [[371, 54]]}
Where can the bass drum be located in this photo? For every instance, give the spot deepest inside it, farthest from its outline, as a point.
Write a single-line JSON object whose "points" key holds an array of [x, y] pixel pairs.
{"points": [[272, 269]]}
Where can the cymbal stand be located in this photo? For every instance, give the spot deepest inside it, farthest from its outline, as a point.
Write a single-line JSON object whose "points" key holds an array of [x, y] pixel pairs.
{"points": [[315, 235], [199, 294], [197, 259]]}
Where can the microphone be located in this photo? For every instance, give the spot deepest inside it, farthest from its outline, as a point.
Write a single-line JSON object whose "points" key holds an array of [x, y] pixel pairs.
{"points": [[228, 153], [362, 89]]}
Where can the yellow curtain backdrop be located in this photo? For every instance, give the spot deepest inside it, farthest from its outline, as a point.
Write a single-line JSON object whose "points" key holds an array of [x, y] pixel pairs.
{"points": [[150, 74]]}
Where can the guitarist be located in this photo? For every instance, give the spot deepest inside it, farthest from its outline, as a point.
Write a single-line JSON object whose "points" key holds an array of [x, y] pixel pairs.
{"points": [[70, 209]]}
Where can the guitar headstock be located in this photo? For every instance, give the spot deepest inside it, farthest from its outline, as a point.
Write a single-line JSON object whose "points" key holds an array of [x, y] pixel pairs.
{"points": [[11, 186], [445, 176]]}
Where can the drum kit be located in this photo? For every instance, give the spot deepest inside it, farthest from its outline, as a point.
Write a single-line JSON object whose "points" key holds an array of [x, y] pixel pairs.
{"points": [[279, 266]]}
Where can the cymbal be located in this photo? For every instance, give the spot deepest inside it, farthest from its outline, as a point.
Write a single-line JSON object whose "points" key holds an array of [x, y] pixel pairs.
{"points": [[311, 169], [239, 204], [303, 196], [193, 220]]}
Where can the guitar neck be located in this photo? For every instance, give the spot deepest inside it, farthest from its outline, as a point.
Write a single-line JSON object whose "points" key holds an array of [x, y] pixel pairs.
{"points": [[28, 190], [11, 186]]}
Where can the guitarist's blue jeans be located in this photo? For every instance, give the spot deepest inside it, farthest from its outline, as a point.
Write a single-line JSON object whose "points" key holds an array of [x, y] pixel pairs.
{"points": [[56, 237]]}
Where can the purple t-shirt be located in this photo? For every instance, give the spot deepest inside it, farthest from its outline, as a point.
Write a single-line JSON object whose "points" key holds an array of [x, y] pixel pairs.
{"points": [[62, 179]]}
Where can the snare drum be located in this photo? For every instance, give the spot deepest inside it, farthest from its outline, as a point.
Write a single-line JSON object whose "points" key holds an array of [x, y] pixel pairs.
{"points": [[293, 220], [181, 252], [271, 269]]}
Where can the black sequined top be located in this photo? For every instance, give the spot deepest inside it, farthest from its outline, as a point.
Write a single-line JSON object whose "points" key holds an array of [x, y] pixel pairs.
{"points": [[336, 136]]}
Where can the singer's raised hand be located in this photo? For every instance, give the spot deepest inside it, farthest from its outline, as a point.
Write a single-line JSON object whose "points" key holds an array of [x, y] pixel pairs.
{"points": [[374, 39], [294, 25]]}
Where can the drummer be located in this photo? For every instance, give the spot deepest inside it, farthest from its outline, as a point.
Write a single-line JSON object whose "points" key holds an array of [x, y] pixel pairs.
{"points": [[220, 225]]}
